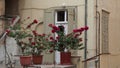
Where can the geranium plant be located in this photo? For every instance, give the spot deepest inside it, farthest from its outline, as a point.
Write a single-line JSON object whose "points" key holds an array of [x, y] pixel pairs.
{"points": [[67, 42], [40, 42], [28, 39]]}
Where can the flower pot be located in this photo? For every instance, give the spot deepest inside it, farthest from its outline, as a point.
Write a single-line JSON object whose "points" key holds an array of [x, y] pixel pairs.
{"points": [[37, 59], [25, 60], [65, 58]]}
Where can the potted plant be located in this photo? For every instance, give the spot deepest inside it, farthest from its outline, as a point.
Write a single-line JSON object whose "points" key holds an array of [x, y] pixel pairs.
{"points": [[64, 43], [40, 43], [21, 35]]}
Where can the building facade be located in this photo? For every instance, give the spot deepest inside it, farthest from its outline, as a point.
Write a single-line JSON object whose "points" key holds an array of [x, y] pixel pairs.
{"points": [[102, 18]]}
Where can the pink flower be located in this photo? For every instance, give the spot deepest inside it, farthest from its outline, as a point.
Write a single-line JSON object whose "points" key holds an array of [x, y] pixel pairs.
{"points": [[35, 21]]}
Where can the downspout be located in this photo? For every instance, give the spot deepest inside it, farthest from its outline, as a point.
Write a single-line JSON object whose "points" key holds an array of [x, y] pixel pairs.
{"points": [[98, 40], [97, 34], [96, 62], [85, 36]]}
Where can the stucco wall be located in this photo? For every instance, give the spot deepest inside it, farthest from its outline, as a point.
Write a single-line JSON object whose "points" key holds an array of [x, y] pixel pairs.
{"points": [[112, 60], [35, 9]]}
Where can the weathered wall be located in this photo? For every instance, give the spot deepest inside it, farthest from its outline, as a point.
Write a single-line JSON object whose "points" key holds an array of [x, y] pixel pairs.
{"points": [[35, 9], [1, 29], [112, 60]]}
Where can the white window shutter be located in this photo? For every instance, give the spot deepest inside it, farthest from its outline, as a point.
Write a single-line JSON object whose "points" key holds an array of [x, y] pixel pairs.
{"points": [[72, 24], [48, 19]]}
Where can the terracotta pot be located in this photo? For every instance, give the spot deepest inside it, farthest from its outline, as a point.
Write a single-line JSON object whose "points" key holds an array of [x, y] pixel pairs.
{"points": [[37, 59], [25, 60], [65, 58]]}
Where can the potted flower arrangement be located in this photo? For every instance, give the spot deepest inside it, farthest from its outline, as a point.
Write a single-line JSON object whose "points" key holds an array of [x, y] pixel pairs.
{"points": [[20, 35], [39, 43], [31, 43], [63, 43]]}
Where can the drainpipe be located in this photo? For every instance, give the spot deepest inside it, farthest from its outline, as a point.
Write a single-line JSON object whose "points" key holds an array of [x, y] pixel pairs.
{"points": [[85, 37], [98, 40], [97, 34]]}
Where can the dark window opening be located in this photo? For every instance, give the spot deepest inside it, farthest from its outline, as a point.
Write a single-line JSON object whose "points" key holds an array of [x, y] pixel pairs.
{"points": [[60, 15], [11, 7], [61, 28]]}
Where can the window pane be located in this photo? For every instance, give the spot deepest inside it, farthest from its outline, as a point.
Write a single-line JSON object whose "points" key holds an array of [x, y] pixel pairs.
{"points": [[60, 15]]}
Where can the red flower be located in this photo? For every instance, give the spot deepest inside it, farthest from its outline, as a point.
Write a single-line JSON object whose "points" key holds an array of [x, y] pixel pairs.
{"points": [[43, 34], [39, 35], [76, 35], [35, 21], [51, 38], [50, 25], [7, 31], [82, 29], [13, 19], [29, 26], [86, 28], [75, 30], [53, 31], [34, 32], [28, 17], [80, 39], [30, 39], [50, 51], [33, 43], [46, 39], [57, 37], [55, 28]]}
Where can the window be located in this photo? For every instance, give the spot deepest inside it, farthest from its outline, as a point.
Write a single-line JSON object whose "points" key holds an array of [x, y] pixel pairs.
{"points": [[61, 16], [105, 20], [61, 19]]}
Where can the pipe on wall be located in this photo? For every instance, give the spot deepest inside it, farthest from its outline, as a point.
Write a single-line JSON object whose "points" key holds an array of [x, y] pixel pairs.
{"points": [[85, 36]]}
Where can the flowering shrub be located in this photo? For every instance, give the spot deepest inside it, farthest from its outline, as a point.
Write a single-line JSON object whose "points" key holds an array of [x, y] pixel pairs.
{"points": [[66, 42], [29, 40]]}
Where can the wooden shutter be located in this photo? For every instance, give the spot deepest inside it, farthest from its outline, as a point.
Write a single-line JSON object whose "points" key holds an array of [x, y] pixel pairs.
{"points": [[72, 24], [48, 19], [105, 34]]}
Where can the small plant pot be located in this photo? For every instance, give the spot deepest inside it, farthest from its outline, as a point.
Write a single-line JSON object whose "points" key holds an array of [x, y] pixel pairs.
{"points": [[65, 58], [37, 59], [25, 60]]}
